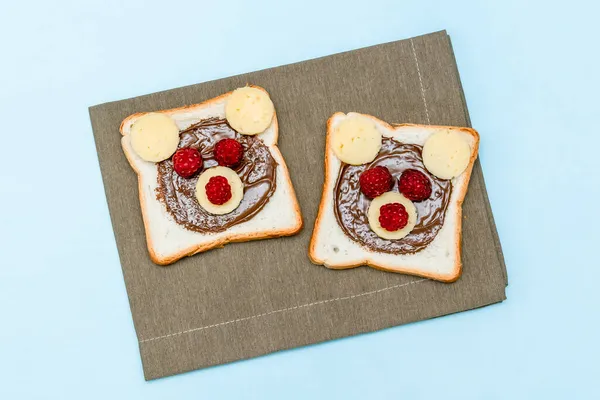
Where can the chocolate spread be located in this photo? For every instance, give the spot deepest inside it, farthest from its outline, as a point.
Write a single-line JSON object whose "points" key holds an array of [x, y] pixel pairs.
{"points": [[257, 170], [351, 205]]}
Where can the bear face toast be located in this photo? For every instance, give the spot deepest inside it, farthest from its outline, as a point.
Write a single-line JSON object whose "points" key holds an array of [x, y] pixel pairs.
{"points": [[210, 174], [392, 196]]}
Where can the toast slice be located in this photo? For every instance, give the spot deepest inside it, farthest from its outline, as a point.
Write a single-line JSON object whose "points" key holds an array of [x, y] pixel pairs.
{"points": [[167, 240], [439, 260]]}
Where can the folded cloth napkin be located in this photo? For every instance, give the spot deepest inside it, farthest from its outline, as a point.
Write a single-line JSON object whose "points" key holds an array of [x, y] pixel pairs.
{"points": [[254, 298]]}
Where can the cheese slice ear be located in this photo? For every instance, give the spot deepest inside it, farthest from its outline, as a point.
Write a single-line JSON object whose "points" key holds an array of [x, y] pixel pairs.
{"points": [[154, 137], [446, 154], [356, 140], [249, 110]]}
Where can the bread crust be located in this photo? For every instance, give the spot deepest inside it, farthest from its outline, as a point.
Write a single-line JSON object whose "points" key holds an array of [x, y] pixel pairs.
{"points": [[221, 242], [330, 181]]}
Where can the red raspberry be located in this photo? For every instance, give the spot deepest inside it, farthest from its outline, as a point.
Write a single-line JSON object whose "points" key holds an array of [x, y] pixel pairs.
{"points": [[393, 216], [375, 182], [228, 152], [218, 190], [414, 185], [187, 161]]}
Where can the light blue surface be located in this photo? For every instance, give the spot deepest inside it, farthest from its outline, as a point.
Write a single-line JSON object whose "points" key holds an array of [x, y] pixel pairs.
{"points": [[531, 77]]}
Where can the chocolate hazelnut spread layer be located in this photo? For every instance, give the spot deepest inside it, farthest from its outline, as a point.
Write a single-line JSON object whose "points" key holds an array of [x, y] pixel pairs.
{"points": [[257, 170], [351, 205]]}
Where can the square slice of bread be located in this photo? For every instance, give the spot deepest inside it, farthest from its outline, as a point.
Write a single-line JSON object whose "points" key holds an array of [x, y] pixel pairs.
{"points": [[167, 240], [440, 260]]}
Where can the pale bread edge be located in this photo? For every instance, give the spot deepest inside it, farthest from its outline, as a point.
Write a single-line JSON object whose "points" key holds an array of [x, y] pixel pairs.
{"points": [[371, 258], [221, 239]]}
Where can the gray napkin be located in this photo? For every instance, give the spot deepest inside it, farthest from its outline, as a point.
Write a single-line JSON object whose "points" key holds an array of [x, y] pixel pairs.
{"points": [[253, 298]]}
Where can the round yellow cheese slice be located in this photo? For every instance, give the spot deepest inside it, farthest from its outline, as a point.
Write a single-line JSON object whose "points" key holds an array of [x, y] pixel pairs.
{"points": [[446, 154], [356, 140], [154, 137], [387, 198], [249, 110], [237, 190]]}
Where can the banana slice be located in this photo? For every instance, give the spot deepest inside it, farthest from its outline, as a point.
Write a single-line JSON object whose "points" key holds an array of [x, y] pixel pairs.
{"points": [[446, 154], [154, 137], [237, 190], [356, 140], [387, 198], [249, 110]]}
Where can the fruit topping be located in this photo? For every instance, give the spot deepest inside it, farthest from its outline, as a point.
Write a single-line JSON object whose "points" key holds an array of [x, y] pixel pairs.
{"points": [[228, 152], [187, 162], [414, 185], [218, 190], [375, 181], [393, 216]]}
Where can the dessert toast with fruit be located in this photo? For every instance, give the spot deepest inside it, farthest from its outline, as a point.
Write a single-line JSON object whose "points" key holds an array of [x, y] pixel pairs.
{"points": [[392, 196], [210, 174]]}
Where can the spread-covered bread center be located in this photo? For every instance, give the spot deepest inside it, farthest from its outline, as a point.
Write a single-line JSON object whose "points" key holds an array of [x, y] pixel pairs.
{"points": [[257, 171]]}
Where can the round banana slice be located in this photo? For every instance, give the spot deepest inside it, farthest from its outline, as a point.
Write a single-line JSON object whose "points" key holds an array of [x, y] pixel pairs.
{"points": [[154, 137], [237, 190], [356, 140], [446, 154], [249, 110], [387, 198]]}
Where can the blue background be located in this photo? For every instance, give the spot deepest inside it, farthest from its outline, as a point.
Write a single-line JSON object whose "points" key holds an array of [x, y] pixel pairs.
{"points": [[531, 76]]}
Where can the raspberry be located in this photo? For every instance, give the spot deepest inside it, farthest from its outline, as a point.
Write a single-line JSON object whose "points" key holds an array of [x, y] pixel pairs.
{"points": [[414, 185], [218, 190], [228, 152], [187, 161], [393, 216], [375, 182]]}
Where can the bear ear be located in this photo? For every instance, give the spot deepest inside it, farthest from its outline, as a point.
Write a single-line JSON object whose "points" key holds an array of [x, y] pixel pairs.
{"points": [[270, 135], [138, 164]]}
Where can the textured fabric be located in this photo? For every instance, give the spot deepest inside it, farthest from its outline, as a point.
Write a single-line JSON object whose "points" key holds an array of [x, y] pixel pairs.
{"points": [[253, 298]]}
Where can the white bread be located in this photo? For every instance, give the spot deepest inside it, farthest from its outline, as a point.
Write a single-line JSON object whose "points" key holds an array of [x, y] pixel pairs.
{"points": [[440, 260], [167, 240]]}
